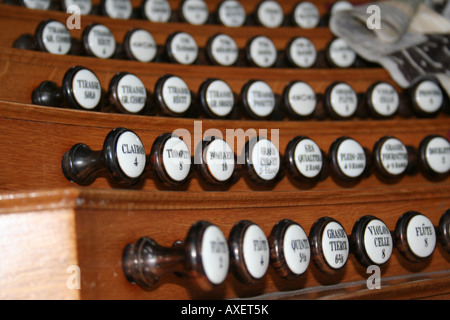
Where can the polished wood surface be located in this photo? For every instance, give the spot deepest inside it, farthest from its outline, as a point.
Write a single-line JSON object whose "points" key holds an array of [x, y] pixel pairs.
{"points": [[49, 224]]}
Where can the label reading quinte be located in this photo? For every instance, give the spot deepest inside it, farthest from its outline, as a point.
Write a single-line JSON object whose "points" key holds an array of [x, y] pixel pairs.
{"points": [[335, 246], [215, 256], [176, 159], [143, 46], [118, 9], [86, 89], [341, 54], [260, 99], [256, 251], [378, 241], [302, 52], [265, 159], [195, 11], [56, 38], [176, 94], [306, 15], [220, 98], [308, 158], [437, 155], [263, 52], [184, 49], [385, 99], [224, 50], [270, 14], [343, 100], [428, 96], [131, 93], [131, 154], [220, 159], [101, 42], [421, 236], [157, 10], [351, 158], [231, 13], [394, 156], [302, 99], [296, 249]]}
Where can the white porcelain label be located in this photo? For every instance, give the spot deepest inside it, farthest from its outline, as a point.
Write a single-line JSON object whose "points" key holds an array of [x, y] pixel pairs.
{"points": [[37, 4], [157, 10], [143, 46], [184, 48], [224, 50], [270, 14], [351, 158], [303, 52], [215, 256], [118, 9], [428, 96], [176, 158], [101, 42], [421, 236], [308, 158], [86, 88], [378, 241], [335, 245], [341, 54], [437, 155], [306, 15], [231, 13], [176, 94], [56, 38], [131, 93], [195, 11], [296, 249], [219, 158], [131, 154], [302, 99], [265, 159], [263, 52], [260, 99], [84, 5], [343, 100], [385, 100], [256, 251], [394, 156], [220, 98]]}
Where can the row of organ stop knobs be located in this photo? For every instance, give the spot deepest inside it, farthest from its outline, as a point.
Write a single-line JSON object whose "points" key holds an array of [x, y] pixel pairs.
{"points": [[206, 256]]}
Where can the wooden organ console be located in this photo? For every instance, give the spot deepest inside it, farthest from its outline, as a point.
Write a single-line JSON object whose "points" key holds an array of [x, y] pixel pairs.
{"points": [[72, 222]]}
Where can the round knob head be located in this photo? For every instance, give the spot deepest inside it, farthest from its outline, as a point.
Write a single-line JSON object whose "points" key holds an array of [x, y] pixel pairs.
{"points": [[415, 236], [98, 41], [301, 52], [222, 50], [304, 159], [262, 160], [383, 100], [391, 157], [372, 241], [194, 12], [231, 13], [117, 9], [82, 89], [124, 155], [52, 36], [258, 99], [249, 250], [207, 255], [261, 52], [173, 95], [36, 4], [269, 14], [127, 93], [140, 45], [182, 48], [299, 99], [216, 98], [329, 245], [444, 230], [171, 159], [341, 101], [217, 163], [339, 54], [427, 98], [156, 10], [434, 157], [84, 5], [290, 252], [348, 159], [306, 15]]}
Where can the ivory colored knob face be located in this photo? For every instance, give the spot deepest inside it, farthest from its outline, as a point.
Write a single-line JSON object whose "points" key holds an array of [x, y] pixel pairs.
{"points": [[258, 99], [269, 14], [222, 50], [182, 48], [299, 99], [249, 251], [391, 157], [304, 159], [415, 236], [339, 54], [173, 95], [194, 12], [261, 52], [341, 101], [434, 157], [53, 36], [329, 245], [262, 160], [98, 41], [348, 159], [290, 250], [383, 100], [427, 98], [301, 52], [372, 241], [140, 45], [82, 89], [127, 93], [306, 15], [216, 98], [231, 13]]}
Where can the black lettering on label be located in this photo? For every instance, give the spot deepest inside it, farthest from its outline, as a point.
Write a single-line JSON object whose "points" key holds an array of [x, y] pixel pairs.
{"points": [[177, 154], [132, 149], [424, 231], [259, 245], [218, 246], [299, 244]]}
